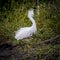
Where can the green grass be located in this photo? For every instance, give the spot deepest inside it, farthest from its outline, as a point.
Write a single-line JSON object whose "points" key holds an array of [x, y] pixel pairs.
{"points": [[47, 25]]}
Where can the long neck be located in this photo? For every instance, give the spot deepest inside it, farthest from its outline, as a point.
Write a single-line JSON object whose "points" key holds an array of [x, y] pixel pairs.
{"points": [[33, 27], [33, 22]]}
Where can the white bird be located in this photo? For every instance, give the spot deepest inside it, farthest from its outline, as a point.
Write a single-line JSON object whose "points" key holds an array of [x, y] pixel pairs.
{"points": [[27, 31]]}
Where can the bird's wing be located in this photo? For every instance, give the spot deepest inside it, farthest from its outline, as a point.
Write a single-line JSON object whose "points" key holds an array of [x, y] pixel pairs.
{"points": [[22, 29]]}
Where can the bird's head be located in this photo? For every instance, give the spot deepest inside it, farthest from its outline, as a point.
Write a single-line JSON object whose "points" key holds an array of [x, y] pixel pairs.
{"points": [[31, 13]]}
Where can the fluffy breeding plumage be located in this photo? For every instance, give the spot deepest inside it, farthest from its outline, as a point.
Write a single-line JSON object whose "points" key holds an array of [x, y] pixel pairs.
{"points": [[27, 31]]}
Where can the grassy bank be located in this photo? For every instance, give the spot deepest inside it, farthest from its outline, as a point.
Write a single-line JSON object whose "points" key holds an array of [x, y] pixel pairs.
{"points": [[47, 21]]}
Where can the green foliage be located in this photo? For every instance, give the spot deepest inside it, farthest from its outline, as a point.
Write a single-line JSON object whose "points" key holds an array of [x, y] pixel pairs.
{"points": [[15, 17]]}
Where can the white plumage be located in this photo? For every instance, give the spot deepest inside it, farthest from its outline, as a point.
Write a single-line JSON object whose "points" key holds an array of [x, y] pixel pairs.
{"points": [[27, 31]]}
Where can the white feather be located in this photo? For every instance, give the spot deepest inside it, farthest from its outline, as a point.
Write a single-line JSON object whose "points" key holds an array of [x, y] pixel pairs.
{"points": [[26, 31]]}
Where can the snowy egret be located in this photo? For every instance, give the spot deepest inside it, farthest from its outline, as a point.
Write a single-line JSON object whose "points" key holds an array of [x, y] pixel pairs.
{"points": [[27, 31]]}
